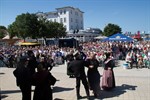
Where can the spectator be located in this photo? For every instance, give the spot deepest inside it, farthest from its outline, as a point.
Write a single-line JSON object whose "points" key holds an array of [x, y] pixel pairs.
{"points": [[128, 59]]}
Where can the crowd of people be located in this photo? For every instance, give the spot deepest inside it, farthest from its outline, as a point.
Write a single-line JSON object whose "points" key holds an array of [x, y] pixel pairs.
{"points": [[133, 52], [91, 55]]}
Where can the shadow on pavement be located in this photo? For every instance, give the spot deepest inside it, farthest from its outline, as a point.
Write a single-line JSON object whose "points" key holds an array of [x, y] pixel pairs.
{"points": [[60, 89], [119, 90], [3, 96], [2, 73], [9, 91]]}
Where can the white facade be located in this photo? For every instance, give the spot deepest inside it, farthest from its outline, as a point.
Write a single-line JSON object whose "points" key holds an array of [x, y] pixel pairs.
{"points": [[72, 18]]}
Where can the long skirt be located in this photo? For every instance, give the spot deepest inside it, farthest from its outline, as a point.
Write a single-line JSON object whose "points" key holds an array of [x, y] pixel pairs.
{"points": [[94, 81], [108, 80], [41, 93]]}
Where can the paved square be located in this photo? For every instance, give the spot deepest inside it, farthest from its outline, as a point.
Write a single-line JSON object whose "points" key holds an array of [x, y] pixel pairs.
{"points": [[131, 84]]}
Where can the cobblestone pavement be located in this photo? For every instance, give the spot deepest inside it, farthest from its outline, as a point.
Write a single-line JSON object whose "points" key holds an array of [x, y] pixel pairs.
{"points": [[131, 84]]}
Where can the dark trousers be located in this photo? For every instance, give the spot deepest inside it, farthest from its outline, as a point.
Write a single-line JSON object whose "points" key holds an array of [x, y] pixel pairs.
{"points": [[26, 92], [84, 82]]}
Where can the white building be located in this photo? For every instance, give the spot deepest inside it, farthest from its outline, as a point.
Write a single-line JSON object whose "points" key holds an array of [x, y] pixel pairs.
{"points": [[89, 34], [72, 18]]}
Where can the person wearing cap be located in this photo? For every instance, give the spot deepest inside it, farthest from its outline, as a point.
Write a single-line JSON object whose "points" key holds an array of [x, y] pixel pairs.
{"points": [[23, 78]]}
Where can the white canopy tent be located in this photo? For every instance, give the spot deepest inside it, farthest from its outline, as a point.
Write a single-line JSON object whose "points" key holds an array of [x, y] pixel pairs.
{"points": [[6, 37], [100, 37]]}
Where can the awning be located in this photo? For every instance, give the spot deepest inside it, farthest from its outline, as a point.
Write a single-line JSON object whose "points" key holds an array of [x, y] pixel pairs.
{"points": [[29, 44]]}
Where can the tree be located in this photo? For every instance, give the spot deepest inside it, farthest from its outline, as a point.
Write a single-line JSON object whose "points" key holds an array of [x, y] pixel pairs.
{"points": [[12, 30], [26, 25], [29, 25], [43, 28], [3, 31], [49, 29], [111, 29], [56, 30]]}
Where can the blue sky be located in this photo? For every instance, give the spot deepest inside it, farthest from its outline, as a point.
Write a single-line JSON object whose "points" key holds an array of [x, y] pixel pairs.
{"points": [[130, 15]]}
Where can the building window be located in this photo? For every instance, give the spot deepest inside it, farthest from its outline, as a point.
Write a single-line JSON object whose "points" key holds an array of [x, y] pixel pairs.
{"points": [[64, 11], [60, 12], [61, 20], [71, 27], [71, 11], [76, 13], [71, 20], [76, 20], [64, 20], [54, 20]]}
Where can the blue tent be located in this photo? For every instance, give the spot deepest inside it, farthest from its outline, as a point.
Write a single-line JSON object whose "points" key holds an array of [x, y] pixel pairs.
{"points": [[147, 39], [118, 37]]}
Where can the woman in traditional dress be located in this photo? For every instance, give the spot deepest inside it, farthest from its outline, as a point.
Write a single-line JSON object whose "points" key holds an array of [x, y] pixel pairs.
{"points": [[108, 79], [93, 74]]}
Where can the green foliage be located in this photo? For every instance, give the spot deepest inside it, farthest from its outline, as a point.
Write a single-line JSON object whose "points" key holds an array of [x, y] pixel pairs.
{"points": [[50, 29], [2, 35], [12, 29], [111, 29], [43, 28], [26, 25], [29, 25], [3, 31], [3, 27], [56, 30]]}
